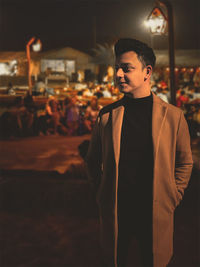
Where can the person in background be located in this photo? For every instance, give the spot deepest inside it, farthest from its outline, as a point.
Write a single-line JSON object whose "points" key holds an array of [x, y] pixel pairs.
{"points": [[72, 116], [106, 92], [91, 114], [39, 88], [182, 99], [98, 92], [10, 90], [53, 114], [30, 115], [12, 121], [87, 92]]}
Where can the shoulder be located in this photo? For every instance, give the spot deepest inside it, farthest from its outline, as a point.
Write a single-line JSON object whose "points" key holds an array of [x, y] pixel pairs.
{"points": [[173, 114], [170, 108], [173, 109], [110, 107]]}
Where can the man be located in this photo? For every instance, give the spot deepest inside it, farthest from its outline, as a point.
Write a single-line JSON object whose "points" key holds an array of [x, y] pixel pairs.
{"points": [[139, 162]]}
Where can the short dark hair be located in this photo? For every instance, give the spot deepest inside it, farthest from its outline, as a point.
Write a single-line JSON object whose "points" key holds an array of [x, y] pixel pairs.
{"points": [[144, 52]]}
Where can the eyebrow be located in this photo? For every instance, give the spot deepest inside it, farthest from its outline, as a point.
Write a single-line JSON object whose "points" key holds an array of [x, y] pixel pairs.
{"points": [[124, 64]]}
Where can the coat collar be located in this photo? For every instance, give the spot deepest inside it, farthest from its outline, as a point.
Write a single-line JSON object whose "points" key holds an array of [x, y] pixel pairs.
{"points": [[158, 116]]}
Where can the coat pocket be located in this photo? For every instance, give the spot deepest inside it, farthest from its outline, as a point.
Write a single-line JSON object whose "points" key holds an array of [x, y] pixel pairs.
{"points": [[175, 191]]}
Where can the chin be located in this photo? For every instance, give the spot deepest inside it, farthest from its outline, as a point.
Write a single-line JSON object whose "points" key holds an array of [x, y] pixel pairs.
{"points": [[124, 89]]}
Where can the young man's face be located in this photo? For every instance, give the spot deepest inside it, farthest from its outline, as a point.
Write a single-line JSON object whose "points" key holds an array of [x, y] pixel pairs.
{"points": [[130, 74]]}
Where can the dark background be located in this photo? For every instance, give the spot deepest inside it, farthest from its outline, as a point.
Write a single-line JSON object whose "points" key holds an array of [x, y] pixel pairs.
{"points": [[60, 23]]}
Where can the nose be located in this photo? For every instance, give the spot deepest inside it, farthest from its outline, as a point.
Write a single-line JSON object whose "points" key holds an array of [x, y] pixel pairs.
{"points": [[119, 72]]}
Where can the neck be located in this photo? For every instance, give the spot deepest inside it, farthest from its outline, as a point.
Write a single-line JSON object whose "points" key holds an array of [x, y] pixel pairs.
{"points": [[139, 93]]}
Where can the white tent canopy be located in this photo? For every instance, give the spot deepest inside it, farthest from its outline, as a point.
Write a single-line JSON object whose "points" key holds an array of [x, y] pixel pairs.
{"points": [[183, 58]]}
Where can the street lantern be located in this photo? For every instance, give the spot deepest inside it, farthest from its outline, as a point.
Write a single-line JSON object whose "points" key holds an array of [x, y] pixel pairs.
{"points": [[160, 24], [157, 22], [36, 46]]}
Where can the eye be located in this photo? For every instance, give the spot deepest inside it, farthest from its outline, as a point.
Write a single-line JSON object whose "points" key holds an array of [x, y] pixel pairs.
{"points": [[126, 69]]}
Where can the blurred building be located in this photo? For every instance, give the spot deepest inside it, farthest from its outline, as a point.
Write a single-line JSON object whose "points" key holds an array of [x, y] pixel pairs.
{"points": [[66, 62]]}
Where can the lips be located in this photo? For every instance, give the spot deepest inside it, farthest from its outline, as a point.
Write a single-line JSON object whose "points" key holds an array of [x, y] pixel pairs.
{"points": [[122, 83]]}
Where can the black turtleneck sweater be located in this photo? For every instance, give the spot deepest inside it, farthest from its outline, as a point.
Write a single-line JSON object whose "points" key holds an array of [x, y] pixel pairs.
{"points": [[136, 155]]}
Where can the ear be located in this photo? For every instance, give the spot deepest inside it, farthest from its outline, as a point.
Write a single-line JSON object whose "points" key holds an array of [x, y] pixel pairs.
{"points": [[148, 72], [149, 69]]}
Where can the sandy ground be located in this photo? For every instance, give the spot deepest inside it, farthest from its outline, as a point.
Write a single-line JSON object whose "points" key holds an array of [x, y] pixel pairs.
{"points": [[41, 153], [48, 215]]}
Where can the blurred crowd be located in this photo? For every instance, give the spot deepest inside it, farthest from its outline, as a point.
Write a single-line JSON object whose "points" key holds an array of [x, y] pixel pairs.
{"points": [[76, 113], [187, 99], [69, 117]]}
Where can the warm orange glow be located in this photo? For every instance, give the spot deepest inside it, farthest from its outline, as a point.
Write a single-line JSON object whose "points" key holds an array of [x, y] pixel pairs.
{"points": [[157, 22], [37, 46], [156, 12], [28, 54], [29, 61]]}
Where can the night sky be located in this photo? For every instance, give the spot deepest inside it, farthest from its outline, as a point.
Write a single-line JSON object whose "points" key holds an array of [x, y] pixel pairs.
{"points": [[60, 23]]}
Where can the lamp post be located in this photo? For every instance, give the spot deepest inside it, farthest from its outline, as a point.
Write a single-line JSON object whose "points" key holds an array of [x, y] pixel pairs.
{"points": [[36, 47], [158, 22]]}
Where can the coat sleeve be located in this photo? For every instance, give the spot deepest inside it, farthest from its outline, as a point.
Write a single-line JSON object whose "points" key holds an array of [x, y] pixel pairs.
{"points": [[183, 162], [94, 157]]}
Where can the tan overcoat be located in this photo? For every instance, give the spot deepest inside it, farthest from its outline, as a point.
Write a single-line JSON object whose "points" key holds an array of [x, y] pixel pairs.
{"points": [[172, 170]]}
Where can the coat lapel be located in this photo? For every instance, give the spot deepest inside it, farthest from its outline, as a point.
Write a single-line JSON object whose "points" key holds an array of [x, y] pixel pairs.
{"points": [[158, 116], [117, 119]]}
